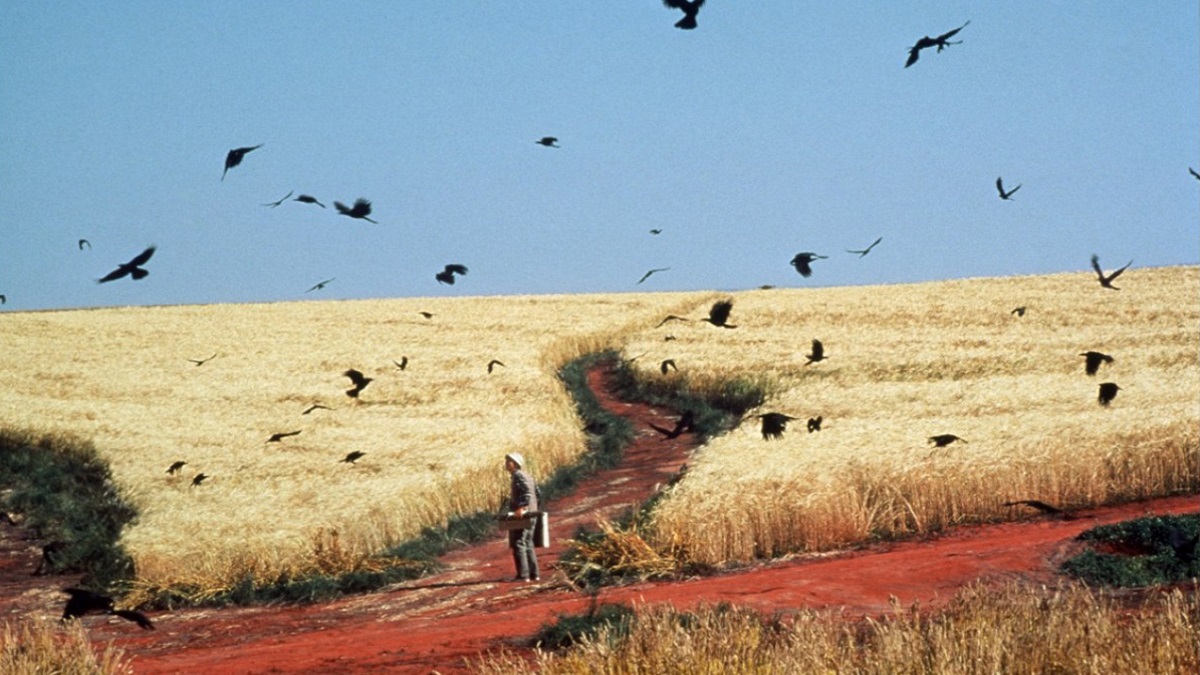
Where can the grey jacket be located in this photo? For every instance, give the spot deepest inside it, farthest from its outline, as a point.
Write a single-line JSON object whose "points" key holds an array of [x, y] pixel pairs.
{"points": [[523, 492]]}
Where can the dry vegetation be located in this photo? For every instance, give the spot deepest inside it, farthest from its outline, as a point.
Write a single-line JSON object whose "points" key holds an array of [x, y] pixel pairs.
{"points": [[1010, 630], [39, 647]]}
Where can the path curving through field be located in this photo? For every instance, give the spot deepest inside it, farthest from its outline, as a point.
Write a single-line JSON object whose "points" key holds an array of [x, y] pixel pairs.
{"points": [[435, 623]]}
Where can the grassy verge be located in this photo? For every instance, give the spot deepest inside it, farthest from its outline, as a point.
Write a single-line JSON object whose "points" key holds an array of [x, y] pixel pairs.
{"points": [[1143, 552]]}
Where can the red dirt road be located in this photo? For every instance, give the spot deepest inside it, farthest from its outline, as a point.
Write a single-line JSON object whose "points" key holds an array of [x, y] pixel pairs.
{"points": [[436, 623]]}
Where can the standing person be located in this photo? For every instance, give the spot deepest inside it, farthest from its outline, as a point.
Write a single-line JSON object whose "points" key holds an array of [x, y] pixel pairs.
{"points": [[522, 500]]}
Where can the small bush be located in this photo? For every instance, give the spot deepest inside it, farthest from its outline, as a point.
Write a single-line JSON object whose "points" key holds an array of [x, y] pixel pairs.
{"points": [[571, 629], [1142, 552]]}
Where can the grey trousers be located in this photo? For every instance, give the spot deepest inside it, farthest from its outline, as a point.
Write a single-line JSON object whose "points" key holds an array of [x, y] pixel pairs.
{"points": [[524, 556]]}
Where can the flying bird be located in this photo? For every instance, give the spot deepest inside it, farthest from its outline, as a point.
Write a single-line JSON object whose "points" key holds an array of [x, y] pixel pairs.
{"points": [[427, 315], [1108, 391], [818, 353], [200, 362], [308, 199], [1193, 172], [1106, 281], [802, 260], [236, 156], [863, 251], [1093, 360], [446, 276], [548, 141], [647, 274], [133, 268], [656, 231], [690, 9], [352, 456], [814, 423], [315, 406], [83, 601], [3, 298], [493, 363], [176, 466], [671, 317], [319, 285], [667, 364], [360, 210], [1036, 504], [687, 422], [718, 315], [279, 436], [284, 199], [402, 363], [199, 478], [359, 380], [1019, 311], [1005, 195], [942, 440], [774, 424], [941, 42], [84, 242]]}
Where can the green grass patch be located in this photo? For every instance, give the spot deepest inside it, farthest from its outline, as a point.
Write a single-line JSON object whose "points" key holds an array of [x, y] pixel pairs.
{"points": [[1147, 551], [570, 629]]}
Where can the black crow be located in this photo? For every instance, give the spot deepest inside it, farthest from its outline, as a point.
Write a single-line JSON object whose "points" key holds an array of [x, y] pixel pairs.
{"points": [[200, 362], [360, 210], [315, 406], [656, 231], [863, 251], [774, 424], [1019, 311], [176, 466], [667, 364], [427, 315], [942, 440], [308, 199], [402, 363], [3, 298], [647, 274], [279, 436], [84, 242], [133, 268], [1108, 391], [671, 317], [687, 422], [548, 141], [1007, 196], [814, 423], [235, 157], [802, 260], [320, 285], [359, 380], [1093, 360], [941, 42], [198, 479], [1033, 503], [718, 315], [446, 276], [690, 9], [352, 456], [83, 601], [818, 353], [493, 363], [1193, 172], [281, 200], [1106, 281]]}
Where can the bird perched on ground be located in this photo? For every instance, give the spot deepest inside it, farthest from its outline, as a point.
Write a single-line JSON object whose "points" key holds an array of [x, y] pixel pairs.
{"points": [[863, 251], [493, 363], [352, 457], [446, 276], [718, 314], [687, 422], [667, 364], [200, 362], [690, 9], [548, 141], [1093, 360], [359, 380], [1018, 311], [83, 601], [1106, 281], [176, 466], [814, 423], [133, 268], [315, 406], [818, 353], [198, 479], [320, 284], [774, 424], [1036, 504], [942, 440], [360, 210], [941, 42], [1007, 196], [236, 156], [1108, 391], [647, 274], [308, 199], [279, 436], [802, 260], [402, 363], [281, 200], [84, 242]]}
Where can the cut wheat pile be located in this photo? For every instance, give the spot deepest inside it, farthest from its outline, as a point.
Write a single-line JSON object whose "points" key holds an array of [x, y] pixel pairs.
{"points": [[908, 362]]}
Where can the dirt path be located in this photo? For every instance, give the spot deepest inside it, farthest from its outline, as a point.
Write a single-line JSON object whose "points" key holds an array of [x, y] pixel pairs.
{"points": [[434, 623]]}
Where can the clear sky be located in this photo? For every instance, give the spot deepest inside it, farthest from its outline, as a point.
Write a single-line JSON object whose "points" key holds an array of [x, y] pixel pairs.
{"points": [[775, 127]]}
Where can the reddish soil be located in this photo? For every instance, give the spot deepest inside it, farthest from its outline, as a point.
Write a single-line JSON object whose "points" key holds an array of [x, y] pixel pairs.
{"points": [[436, 623]]}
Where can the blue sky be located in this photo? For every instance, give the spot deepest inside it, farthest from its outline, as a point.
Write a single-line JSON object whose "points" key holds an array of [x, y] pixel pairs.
{"points": [[775, 127]]}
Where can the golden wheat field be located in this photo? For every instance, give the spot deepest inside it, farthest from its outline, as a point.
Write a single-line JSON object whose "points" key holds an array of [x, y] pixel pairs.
{"points": [[904, 362]]}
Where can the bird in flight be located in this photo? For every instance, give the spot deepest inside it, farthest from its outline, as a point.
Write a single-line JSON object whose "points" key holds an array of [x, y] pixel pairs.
{"points": [[1093, 360], [690, 9], [176, 466], [284, 199], [359, 380], [1019, 311], [446, 276], [315, 406], [1106, 281], [718, 315], [941, 42], [802, 260], [84, 242], [133, 268], [671, 317], [352, 456], [548, 141], [1193, 172], [647, 274], [1005, 195], [236, 156], [1108, 391], [942, 440], [818, 353], [83, 601], [814, 423], [687, 422], [279, 436], [200, 362], [1036, 504], [773, 425], [493, 363], [667, 364], [402, 363], [427, 315], [360, 210], [863, 251], [320, 284], [656, 231], [198, 479], [308, 199], [3, 298]]}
